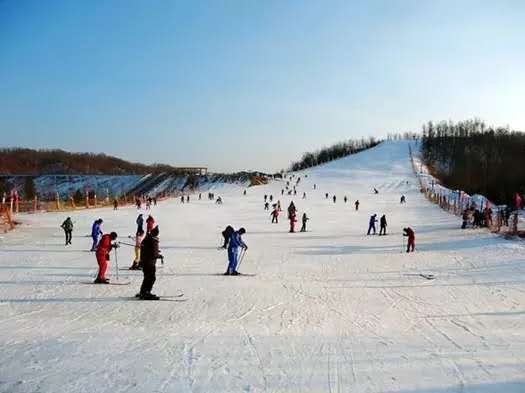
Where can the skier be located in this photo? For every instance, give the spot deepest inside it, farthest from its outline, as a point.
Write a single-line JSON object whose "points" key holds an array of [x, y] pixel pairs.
{"points": [[115, 204], [226, 234], [150, 224], [219, 201], [149, 253], [182, 199], [305, 219], [382, 223], [326, 196], [372, 224], [411, 238], [279, 206], [315, 186], [200, 196], [265, 197], [403, 199], [375, 191], [291, 209], [244, 193], [67, 226], [334, 198], [293, 220], [102, 254], [345, 199], [155, 201], [282, 192], [356, 205], [271, 198], [266, 206], [187, 199], [233, 255], [275, 215], [138, 241], [95, 233], [304, 195], [140, 223]]}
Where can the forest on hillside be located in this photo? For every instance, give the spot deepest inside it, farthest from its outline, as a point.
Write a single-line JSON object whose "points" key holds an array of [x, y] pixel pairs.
{"points": [[478, 159], [21, 161], [338, 150]]}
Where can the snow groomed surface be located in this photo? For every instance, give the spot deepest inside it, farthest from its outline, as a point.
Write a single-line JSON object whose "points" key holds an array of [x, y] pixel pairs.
{"points": [[329, 310]]}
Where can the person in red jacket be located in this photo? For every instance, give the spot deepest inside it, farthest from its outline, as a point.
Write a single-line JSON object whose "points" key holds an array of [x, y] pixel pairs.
{"points": [[293, 220], [103, 249], [275, 215], [411, 238]]}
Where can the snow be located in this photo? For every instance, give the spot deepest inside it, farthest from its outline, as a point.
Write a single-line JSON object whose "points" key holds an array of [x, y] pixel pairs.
{"points": [[329, 310]]}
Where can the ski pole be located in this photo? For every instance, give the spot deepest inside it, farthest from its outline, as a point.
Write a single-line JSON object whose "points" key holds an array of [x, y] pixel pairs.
{"points": [[116, 262], [242, 257]]}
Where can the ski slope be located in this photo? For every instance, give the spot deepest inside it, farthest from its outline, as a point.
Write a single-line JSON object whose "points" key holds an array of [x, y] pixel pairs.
{"points": [[329, 310]]}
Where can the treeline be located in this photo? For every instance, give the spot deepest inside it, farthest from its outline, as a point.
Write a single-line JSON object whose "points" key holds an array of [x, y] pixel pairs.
{"points": [[476, 158], [339, 150], [22, 161]]}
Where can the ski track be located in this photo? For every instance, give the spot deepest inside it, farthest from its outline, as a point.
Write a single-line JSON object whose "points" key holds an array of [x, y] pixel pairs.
{"points": [[329, 310]]}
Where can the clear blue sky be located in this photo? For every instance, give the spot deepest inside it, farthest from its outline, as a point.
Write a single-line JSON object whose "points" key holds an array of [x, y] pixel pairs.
{"points": [[251, 84]]}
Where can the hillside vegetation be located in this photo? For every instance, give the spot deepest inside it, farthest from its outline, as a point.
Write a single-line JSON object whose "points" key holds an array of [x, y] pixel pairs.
{"points": [[21, 161], [478, 159]]}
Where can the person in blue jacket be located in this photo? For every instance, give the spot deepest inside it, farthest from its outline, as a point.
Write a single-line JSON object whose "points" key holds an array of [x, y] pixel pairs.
{"points": [[372, 224], [233, 254], [96, 233]]}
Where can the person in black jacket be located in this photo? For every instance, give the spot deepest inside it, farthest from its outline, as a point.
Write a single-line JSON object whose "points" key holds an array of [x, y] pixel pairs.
{"points": [[382, 223], [226, 234], [149, 253]]}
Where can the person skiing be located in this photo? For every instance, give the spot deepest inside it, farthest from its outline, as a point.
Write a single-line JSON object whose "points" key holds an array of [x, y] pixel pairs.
{"points": [[345, 199], [356, 205], [304, 195], [275, 215], [140, 223], [279, 206], [138, 241], [233, 255], [187, 199], [266, 206], [244, 193], [115, 204], [265, 197], [315, 186], [96, 232], [372, 224], [375, 191], [304, 219], [200, 196], [334, 198], [150, 224], [403, 199], [149, 253], [182, 199], [326, 196], [102, 254], [67, 226], [271, 198], [226, 234], [293, 220], [291, 209], [411, 238], [219, 201], [382, 223]]}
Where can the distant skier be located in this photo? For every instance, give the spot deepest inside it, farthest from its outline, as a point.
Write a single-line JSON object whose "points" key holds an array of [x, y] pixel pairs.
{"points": [[271, 198], [372, 224], [266, 206], [149, 253], [236, 242], [334, 198], [136, 265], [382, 223], [96, 232], [102, 254], [403, 199], [115, 204], [182, 199], [219, 201], [265, 197], [304, 219], [375, 191], [279, 206], [200, 196], [226, 234], [244, 193], [315, 186], [291, 209], [140, 224], [275, 215], [345, 199], [187, 199], [356, 203], [155, 201], [326, 196], [411, 238], [304, 195], [67, 226]]}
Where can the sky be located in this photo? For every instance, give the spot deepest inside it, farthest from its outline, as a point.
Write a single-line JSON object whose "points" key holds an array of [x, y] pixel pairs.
{"points": [[251, 85]]}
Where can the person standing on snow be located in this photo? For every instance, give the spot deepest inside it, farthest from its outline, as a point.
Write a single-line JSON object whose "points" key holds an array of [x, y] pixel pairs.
{"points": [[326, 196], [305, 219], [334, 198], [266, 206], [115, 204], [67, 226], [138, 242], [96, 232], [382, 223], [411, 238], [372, 224], [345, 199], [304, 195], [275, 215], [356, 205], [233, 254], [102, 254], [271, 198], [403, 199], [149, 253]]}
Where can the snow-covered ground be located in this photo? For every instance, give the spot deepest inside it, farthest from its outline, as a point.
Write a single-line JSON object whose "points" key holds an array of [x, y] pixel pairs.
{"points": [[329, 310]]}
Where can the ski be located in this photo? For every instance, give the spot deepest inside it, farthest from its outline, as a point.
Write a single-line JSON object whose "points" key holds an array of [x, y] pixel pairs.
{"points": [[109, 283], [172, 296], [425, 276]]}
